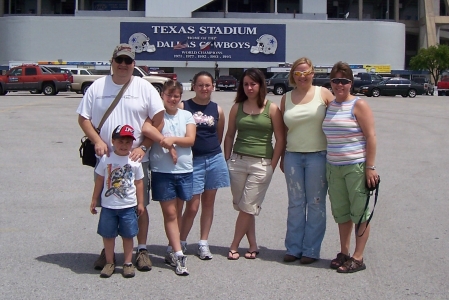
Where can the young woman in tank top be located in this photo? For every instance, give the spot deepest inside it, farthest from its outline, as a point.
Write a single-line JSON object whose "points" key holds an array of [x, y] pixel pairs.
{"points": [[209, 166], [251, 158], [304, 163]]}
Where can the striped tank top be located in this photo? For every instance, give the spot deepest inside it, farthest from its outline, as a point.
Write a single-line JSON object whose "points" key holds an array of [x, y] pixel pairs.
{"points": [[346, 143]]}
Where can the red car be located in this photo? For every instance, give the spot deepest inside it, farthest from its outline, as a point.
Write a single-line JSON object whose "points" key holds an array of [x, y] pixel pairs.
{"points": [[226, 82]]}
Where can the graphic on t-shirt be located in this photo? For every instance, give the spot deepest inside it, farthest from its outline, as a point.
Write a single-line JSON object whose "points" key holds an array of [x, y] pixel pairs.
{"points": [[203, 119], [120, 180]]}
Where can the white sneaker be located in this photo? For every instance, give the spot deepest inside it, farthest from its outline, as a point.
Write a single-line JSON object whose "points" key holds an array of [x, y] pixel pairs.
{"points": [[181, 267], [171, 259], [204, 252]]}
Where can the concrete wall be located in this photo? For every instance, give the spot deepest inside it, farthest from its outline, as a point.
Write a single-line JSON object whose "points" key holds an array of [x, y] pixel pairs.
{"points": [[32, 38]]}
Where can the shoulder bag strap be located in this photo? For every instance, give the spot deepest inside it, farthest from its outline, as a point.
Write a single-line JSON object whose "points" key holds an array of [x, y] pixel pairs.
{"points": [[114, 104]]}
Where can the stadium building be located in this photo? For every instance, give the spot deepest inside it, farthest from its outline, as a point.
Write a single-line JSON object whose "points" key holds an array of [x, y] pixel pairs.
{"points": [[186, 36]]}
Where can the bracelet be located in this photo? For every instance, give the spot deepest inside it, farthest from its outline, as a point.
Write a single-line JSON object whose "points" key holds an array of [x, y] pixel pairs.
{"points": [[371, 167]]}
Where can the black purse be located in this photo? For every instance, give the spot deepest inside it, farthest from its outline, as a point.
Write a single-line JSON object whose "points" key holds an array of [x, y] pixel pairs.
{"points": [[87, 152], [87, 148]]}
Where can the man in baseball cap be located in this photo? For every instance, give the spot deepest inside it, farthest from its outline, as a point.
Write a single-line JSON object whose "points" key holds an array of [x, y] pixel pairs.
{"points": [[124, 49]]}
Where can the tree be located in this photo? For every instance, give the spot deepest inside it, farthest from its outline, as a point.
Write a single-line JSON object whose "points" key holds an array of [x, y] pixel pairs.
{"points": [[434, 59]]}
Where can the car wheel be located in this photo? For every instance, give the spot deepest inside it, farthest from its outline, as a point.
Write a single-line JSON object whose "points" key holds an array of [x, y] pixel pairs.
{"points": [[2, 93], [85, 88], [158, 88], [375, 92], [412, 93], [48, 89], [279, 90]]}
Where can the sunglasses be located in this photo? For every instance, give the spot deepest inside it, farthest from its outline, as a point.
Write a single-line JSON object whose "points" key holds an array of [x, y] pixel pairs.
{"points": [[343, 81], [303, 73], [128, 60]]}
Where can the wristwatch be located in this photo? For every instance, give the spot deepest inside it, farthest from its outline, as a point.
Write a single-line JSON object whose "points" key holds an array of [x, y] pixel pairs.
{"points": [[143, 148], [371, 167]]}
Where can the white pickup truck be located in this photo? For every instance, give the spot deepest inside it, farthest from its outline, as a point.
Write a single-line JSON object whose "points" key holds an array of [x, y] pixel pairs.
{"points": [[82, 82]]}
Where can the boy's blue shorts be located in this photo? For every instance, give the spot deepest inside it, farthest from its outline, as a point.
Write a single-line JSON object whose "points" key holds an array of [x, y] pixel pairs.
{"points": [[115, 222]]}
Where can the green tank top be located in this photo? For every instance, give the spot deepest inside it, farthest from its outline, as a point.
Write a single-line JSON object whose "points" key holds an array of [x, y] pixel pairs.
{"points": [[254, 133]]}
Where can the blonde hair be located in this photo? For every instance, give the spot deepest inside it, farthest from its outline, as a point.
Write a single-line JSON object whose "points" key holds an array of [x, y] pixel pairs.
{"points": [[299, 61]]}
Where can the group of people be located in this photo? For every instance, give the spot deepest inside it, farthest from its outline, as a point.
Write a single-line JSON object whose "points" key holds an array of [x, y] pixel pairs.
{"points": [[324, 142]]}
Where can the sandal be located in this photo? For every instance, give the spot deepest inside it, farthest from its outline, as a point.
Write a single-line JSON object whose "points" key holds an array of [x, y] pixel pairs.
{"points": [[351, 266], [339, 260], [251, 254], [231, 254]]}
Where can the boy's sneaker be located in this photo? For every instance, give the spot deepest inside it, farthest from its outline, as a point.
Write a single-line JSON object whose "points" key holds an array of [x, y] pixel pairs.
{"points": [[143, 262], [101, 261], [204, 252], [181, 268], [129, 271], [108, 270], [170, 259]]}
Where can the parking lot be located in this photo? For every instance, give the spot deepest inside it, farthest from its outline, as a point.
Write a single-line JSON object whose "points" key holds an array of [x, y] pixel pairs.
{"points": [[48, 239]]}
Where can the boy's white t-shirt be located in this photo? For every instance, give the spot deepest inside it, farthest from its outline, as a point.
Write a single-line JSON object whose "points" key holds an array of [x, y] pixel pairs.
{"points": [[119, 173], [160, 160], [139, 102]]}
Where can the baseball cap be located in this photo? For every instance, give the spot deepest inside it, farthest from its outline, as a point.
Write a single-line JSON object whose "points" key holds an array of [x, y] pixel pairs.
{"points": [[123, 131], [123, 49]]}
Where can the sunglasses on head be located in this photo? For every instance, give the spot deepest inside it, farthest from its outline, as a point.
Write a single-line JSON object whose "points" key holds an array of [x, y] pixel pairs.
{"points": [[128, 60], [343, 81], [303, 73]]}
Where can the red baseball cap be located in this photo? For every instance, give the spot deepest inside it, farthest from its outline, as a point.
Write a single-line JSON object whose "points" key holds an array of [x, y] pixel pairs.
{"points": [[123, 131]]}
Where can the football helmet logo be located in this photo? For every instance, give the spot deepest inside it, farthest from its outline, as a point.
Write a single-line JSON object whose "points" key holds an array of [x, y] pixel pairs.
{"points": [[141, 43], [266, 44]]}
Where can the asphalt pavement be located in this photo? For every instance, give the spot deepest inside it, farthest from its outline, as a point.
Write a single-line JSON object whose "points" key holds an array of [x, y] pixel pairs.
{"points": [[48, 239]]}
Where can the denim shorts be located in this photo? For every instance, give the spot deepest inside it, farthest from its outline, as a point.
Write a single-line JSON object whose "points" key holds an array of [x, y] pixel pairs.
{"points": [[115, 222], [168, 186], [209, 173]]}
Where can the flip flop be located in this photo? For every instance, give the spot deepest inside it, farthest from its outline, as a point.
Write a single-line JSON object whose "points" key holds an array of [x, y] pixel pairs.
{"points": [[251, 253], [231, 255]]}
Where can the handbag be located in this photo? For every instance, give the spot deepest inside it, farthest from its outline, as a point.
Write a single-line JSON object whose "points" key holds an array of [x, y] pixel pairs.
{"points": [[87, 148]]}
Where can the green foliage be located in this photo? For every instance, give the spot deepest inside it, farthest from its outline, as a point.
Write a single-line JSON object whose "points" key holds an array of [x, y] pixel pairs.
{"points": [[434, 59]]}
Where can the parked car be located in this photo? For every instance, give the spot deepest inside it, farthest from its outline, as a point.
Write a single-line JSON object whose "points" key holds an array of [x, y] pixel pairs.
{"points": [[428, 86], [279, 85], [226, 82], [392, 87], [363, 79], [443, 86], [31, 77], [55, 70]]}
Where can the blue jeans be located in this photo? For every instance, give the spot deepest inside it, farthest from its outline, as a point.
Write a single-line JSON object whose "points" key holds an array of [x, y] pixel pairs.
{"points": [[305, 174], [115, 222]]}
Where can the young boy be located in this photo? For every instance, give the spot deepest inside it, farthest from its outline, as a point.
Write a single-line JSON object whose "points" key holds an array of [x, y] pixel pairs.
{"points": [[119, 181]]}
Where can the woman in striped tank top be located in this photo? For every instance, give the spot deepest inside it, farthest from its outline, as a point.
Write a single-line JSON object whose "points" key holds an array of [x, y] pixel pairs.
{"points": [[351, 153]]}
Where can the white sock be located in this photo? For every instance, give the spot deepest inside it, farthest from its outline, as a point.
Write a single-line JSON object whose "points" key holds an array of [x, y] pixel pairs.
{"points": [[179, 253], [141, 246], [202, 242]]}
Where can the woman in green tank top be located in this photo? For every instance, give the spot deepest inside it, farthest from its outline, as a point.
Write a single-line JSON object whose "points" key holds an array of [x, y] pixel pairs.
{"points": [[251, 158]]}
